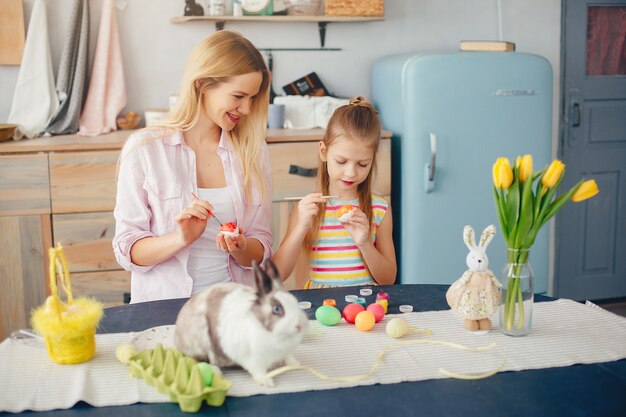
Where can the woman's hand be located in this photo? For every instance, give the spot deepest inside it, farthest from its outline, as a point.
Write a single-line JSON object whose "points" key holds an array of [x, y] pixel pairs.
{"points": [[232, 245], [192, 221], [358, 226]]}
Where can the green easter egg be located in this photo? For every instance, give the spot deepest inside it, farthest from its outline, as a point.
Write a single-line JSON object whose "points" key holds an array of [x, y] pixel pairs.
{"points": [[206, 372], [328, 315]]}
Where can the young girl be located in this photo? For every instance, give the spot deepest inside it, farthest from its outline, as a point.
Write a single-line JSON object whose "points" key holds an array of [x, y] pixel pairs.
{"points": [[207, 161], [358, 250]]}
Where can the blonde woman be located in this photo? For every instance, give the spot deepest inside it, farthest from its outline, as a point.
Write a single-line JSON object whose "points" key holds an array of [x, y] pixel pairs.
{"points": [[208, 160]]}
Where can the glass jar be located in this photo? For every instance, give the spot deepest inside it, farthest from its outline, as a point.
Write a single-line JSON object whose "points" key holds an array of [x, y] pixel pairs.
{"points": [[516, 294]]}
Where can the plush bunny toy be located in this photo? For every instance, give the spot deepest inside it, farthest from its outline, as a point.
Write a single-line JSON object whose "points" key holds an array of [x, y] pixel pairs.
{"points": [[475, 296], [233, 324]]}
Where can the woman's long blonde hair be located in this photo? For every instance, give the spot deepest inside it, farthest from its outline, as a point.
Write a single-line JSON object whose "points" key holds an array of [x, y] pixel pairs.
{"points": [[218, 57], [358, 121]]}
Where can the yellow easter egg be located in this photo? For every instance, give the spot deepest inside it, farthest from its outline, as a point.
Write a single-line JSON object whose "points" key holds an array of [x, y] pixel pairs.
{"points": [[397, 328], [364, 321]]}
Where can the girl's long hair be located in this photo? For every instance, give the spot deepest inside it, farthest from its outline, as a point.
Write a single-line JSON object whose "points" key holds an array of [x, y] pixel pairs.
{"points": [[357, 121], [220, 56]]}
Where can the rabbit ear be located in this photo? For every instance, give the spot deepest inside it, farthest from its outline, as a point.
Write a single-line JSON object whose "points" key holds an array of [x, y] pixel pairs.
{"points": [[262, 280], [487, 235], [468, 237], [272, 272]]}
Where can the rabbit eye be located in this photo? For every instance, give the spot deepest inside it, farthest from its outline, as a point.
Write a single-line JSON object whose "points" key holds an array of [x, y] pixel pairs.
{"points": [[277, 309]]}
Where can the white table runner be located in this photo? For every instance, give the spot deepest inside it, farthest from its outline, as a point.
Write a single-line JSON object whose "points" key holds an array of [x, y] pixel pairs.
{"points": [[564, 333]]}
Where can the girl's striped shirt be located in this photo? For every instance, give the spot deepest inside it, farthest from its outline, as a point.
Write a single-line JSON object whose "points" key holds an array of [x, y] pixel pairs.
{"points": [[335, 260]]}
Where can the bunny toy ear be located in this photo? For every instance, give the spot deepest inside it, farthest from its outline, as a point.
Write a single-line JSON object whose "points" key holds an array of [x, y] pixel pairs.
{"points": [[487, 235], [468, 237], [262, 280]]}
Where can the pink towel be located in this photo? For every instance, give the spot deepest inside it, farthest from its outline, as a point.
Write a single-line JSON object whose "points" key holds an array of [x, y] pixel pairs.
{"points": [[107, 89]]}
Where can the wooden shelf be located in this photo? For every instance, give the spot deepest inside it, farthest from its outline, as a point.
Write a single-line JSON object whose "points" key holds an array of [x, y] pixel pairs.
{"points": [[286, 19], [321, 21]]}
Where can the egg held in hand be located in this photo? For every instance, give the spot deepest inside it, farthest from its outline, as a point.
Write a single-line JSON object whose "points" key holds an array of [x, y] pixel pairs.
{"points": [[230, 229], [344, 213]]}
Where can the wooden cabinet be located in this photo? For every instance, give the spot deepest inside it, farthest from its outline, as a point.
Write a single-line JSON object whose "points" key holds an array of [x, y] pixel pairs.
{"points": [[62, 189]]}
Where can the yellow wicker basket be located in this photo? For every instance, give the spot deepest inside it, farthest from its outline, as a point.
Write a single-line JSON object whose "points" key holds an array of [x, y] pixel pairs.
{"points": [[68, 328], [354, 8]]}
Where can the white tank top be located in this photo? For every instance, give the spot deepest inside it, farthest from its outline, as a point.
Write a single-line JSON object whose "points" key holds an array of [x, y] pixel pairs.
{"points": [[207, 264]]}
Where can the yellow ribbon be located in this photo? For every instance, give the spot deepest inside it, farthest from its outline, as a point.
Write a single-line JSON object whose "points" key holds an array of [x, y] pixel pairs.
{"points": [[386, 349]]}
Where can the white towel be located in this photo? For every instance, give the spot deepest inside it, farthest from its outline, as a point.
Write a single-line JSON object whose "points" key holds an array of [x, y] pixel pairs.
{"points": [[35, 98], [107, 89], [307, 112]]}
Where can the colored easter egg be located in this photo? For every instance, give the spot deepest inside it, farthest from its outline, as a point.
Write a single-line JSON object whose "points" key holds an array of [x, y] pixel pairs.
{"points": [[206, 372], [364, 321], [330, 302], [377, 310], [327, 315], [397, 328], [351, 310]]}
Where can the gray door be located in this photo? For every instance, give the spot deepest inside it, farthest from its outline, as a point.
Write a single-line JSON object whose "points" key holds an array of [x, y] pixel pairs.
{"points": [[591, 235]]}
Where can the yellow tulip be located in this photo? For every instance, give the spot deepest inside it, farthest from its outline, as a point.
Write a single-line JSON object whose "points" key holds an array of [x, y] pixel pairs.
{"points": [[502, 173], [553, 174], [524, 167], [586, 190]]}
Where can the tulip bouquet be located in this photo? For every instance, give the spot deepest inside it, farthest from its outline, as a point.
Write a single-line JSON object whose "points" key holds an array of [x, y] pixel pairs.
{"points": [[525, 201]]}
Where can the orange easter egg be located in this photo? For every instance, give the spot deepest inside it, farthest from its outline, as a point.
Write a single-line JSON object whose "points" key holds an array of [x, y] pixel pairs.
{"points": [[365, 321]]}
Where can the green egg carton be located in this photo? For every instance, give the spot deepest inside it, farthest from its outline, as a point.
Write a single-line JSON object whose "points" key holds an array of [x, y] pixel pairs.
{"points": [[186, 381]]}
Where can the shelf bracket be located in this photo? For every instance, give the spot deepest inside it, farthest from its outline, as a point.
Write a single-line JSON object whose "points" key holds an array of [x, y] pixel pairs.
{"points": [[219, 25], [322, 28]]}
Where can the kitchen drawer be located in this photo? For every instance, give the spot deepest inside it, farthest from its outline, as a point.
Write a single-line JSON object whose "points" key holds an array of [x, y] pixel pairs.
{"points": [[86, 239], [24, 185], [83, 181], [305, 155], [108, 287]]}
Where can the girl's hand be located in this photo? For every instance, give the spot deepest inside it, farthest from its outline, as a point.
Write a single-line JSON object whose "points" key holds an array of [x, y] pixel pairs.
{"points": [[308, 208], [358, 226], [232, 244], [192, 221]]}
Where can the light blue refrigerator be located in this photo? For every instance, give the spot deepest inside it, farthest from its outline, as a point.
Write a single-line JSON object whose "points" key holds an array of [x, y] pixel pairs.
{"points": [[452, 115]]}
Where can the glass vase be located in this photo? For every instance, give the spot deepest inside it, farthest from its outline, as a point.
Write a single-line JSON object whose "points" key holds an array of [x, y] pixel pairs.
{"points": [[516, 294]]}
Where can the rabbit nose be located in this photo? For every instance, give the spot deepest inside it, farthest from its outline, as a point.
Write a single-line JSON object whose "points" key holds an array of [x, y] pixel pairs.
{"points": [[298, 327]]}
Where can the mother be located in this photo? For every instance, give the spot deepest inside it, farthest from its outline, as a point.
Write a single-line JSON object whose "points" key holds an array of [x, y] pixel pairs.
{"points": [[211, 145]]}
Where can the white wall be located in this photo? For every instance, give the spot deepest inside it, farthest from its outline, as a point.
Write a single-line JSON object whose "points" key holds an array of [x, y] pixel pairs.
{"points": [[155, 50]]}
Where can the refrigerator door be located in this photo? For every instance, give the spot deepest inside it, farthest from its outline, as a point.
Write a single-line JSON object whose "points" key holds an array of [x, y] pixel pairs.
{"points": [[452, 116]]}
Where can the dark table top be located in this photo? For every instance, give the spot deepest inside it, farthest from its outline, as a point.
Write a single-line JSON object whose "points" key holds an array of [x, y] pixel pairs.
{"points": [[579, 390]]}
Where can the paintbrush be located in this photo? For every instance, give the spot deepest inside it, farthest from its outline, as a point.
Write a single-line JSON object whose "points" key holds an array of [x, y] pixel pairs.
{"points": [[210, 212], [300, 198]]}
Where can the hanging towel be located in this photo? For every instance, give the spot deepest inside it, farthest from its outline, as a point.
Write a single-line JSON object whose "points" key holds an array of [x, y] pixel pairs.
{"points": [[35, 98], [72, 72], [107, 90]]}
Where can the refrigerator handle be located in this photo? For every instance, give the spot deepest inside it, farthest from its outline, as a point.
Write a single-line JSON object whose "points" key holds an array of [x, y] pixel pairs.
{"points": [[429, 168]]}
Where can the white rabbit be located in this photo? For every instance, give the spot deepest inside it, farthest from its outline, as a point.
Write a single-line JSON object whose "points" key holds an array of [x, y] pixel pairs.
{"points": [[475, 296], [234, 324]]}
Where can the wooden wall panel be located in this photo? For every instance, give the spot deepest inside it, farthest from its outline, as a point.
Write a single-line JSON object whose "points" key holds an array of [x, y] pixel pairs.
{"points": [[83, 181]]}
